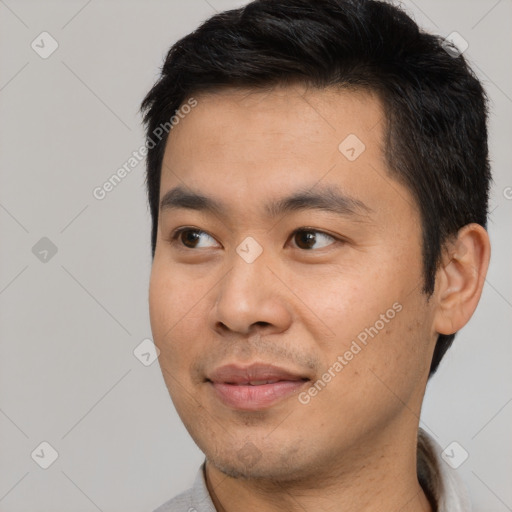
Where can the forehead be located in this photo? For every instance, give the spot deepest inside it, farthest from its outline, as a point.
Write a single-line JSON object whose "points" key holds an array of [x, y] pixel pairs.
{"points": [[248, 145], [281, 117]]}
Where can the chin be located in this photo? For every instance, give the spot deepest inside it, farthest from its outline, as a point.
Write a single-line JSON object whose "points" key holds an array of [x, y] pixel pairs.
{"points": [[250, 462]]}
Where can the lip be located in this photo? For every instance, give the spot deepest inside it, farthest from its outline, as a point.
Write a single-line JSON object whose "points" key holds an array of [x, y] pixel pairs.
{"points": [[270, 384]]}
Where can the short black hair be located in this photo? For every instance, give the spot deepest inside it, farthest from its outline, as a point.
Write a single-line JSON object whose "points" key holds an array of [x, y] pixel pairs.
{"points": [[436, 108]]}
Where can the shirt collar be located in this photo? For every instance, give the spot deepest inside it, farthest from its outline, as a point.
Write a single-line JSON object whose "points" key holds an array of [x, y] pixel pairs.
{"points": [[439, 481]]}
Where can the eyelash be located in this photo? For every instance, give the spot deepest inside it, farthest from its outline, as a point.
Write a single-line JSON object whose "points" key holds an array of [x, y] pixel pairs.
{"points": [[174, 239]]}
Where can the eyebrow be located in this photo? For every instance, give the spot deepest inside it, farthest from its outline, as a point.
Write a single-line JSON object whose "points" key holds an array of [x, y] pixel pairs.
{"points": [[325, 198]]}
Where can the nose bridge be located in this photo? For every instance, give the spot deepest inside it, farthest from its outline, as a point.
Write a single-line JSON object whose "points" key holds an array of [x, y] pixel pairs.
{"points": [[247, 295], [248, 277]]}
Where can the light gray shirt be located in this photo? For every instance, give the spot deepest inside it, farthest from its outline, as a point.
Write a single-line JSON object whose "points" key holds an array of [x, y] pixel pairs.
{"points": [[439, 481]]}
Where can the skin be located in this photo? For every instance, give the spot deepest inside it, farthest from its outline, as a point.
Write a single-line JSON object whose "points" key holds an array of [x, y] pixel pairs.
{"points": [[300, 306]]}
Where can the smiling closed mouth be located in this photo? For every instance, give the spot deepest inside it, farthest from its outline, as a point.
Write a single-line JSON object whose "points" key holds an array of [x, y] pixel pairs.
{"points": [[254, 387]]}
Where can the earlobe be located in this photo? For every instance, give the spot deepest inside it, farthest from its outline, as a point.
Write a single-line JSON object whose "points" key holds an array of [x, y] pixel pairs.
{"points": [[461, 277]]}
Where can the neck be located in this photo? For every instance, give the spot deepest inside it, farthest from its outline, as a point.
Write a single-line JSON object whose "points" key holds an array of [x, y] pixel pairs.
{"points": [[383, 478]]}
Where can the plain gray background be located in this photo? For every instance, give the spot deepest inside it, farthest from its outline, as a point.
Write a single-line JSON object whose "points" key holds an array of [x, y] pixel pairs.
{"points": [[70, 323]]}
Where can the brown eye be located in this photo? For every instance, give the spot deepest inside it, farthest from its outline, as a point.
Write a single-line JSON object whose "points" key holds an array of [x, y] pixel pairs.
{"points": [[307, 238], [193, 238], [189, 238]]}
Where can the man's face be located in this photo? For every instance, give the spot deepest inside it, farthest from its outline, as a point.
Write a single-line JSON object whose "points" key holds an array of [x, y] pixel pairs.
{"points": [[293, 331]]}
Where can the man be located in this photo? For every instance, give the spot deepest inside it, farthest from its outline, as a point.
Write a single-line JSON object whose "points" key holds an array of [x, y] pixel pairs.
{"points": [[318, 180]]}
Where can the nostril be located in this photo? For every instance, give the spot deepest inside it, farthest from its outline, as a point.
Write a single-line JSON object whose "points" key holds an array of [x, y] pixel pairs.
{"points": [[262, 324]]}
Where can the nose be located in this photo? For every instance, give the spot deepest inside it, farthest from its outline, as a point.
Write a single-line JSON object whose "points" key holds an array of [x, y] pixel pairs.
{"points": [[250, 299]]}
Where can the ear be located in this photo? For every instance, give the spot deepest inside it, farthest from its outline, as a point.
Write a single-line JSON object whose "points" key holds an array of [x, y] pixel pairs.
{"points": [[460, 278]]}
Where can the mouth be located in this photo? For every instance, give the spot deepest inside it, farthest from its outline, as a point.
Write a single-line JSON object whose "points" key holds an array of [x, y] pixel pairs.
{"points": [[254, 387]]}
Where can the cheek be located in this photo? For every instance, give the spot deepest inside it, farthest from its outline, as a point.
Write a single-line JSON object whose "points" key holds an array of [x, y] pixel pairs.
{"points": [[175, 309], [395, 357], [375, 381], [348, 302], [378, 315], [175, 306]]}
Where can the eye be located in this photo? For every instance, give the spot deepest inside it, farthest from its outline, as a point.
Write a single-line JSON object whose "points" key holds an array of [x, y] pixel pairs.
{"points": [[193, 238], [307, 238]]}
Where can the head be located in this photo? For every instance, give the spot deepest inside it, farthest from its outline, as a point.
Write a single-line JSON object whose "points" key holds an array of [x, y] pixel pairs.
{"points": [[344, 118]]}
